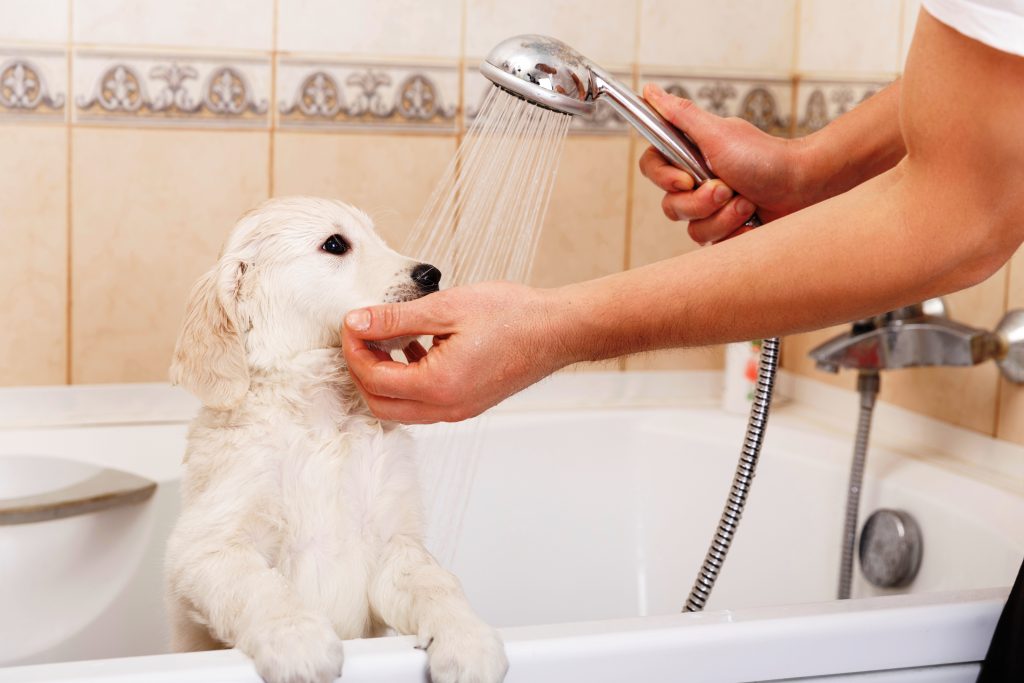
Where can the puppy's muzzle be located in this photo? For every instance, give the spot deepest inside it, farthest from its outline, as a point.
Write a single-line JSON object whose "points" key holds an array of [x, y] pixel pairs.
{"points": [[427, 278]]}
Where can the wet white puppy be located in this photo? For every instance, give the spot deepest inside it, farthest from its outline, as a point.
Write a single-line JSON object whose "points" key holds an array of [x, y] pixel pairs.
{"points": [[301, 521]]}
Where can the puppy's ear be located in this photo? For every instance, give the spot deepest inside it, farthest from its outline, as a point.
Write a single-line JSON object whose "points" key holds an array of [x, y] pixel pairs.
{"points": [[209, 358]]}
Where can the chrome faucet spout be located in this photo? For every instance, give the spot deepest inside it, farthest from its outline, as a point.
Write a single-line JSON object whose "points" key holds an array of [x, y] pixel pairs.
{"points": [[909, 337]]}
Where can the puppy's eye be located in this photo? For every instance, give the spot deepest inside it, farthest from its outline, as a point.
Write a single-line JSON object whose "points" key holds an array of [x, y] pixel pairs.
{"points": [[336, 245]]}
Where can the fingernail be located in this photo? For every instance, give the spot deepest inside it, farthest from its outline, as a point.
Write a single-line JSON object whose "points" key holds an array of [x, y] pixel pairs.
{"points": [[656, 90], [358, 320], [744, 207], [682, 185], [722, 194]]}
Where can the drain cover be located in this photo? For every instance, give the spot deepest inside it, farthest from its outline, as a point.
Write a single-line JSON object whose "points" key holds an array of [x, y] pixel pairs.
{"points": [[890, 548]]}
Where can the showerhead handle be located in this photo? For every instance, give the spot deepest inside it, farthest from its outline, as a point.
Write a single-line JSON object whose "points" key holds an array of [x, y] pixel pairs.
{"points": [[680, 151], [549, 73]]}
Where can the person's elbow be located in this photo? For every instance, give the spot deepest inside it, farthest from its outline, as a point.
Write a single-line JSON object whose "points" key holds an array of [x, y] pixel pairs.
{"points": [[972, 227], [994, 234]]}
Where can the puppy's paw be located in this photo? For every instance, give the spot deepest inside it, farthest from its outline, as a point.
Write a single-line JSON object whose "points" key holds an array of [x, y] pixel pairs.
{"points": [[299, 649], [465, 651]]}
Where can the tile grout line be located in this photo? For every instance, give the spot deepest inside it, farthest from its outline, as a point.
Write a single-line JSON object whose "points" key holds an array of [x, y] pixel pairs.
{"points": [[460, 122], [901, 25], [271, 125], [627, 247], [1001, 383], [68, 179], [794, 74], [627, 251]]}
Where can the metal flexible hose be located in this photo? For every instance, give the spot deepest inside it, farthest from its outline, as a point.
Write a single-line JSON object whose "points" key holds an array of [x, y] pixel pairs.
{"points": [[868, 384], [745, 470]]}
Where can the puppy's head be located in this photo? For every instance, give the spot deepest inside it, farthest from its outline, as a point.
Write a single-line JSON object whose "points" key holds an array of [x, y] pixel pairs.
{"points": [[290, 271]]}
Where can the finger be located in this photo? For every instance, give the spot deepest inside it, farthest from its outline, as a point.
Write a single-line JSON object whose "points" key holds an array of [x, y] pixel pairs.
{"points": [[409, 412], [699, 204], [682, 113], [379, 352], [723, 224], [737, 232], [410, 318], [376, 376], [659, 171], [387, 408]]}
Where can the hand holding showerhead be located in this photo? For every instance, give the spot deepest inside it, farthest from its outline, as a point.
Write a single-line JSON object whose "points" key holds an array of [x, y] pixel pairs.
{"points": [[549, 73]]}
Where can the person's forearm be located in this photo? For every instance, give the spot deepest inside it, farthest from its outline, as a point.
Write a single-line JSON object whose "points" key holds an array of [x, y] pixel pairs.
{"points": [[856, 147], [814, 268]]}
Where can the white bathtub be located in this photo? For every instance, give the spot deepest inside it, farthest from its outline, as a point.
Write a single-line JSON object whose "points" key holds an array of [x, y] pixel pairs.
{"points": [[593, 504]]}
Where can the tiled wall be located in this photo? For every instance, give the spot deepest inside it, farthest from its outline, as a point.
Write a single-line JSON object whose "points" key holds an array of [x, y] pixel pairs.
{"points": [[133, 132]]}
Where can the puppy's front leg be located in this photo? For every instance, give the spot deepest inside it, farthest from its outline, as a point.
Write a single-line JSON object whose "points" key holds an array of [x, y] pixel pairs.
{"points": [[415, 595], [248, 604]]}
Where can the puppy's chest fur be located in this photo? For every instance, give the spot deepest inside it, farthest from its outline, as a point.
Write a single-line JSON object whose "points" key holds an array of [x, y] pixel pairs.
{"points": [[325, 488]]}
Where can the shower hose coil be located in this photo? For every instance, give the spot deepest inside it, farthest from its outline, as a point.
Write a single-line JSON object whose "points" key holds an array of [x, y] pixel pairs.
{"points": [[745, 469]]}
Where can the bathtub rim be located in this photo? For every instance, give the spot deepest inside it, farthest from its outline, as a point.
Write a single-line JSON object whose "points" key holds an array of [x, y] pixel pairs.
{"points": [[780, 642]]}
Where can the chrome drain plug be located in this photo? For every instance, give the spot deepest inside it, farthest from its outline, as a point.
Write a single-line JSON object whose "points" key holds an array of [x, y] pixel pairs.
{"points": [[890, 548]]}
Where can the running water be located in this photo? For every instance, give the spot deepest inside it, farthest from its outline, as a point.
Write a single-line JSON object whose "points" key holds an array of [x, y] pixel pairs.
{"points": [[483, 220], [482, 223]]}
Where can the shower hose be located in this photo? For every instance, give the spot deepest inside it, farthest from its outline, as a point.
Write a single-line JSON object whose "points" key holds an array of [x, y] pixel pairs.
{"points": [[745, 469], [868, 384]]}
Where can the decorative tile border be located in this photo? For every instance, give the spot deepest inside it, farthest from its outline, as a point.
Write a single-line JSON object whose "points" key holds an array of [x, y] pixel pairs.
{"points": [[764, 102], [33, 84], [820, 102], [135, 89], [339, 95], [604, 120], [157, 89]]}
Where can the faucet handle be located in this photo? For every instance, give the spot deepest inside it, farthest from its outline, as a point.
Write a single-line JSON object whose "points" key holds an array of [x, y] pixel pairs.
{"points": [[1010, 359], [937, 307]]}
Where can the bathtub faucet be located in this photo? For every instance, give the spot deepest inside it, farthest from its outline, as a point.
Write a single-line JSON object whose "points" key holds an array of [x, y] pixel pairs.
{"points": [[912, 336], [924, 335]]}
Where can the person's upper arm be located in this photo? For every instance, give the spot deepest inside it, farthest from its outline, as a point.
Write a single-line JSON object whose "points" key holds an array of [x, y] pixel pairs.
{"points": [[961, 112]]}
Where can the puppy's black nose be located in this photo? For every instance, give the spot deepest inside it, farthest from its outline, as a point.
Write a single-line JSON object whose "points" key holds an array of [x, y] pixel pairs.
{"points": [[427, 277]]}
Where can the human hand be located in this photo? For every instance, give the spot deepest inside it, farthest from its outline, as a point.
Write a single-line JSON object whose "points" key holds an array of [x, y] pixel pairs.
{"points": [[490, 341], [757, 171]]}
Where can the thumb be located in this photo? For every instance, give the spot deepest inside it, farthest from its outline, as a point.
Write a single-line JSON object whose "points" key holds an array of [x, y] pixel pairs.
{"points": [[387, 321], [681, 112]]}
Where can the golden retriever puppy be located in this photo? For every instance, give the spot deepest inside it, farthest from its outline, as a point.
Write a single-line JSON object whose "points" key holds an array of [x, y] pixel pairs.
{"points": [[301, 522]]}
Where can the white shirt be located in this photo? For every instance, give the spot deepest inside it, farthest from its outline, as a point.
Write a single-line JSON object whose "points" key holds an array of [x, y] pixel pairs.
{"points": [[997, 23]]}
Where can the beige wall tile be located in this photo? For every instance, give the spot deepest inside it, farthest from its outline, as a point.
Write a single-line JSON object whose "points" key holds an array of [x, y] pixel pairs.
{"points": [[378, 28], [388, 176], [151, 209], [33, 263], [653, 237], [232, 24], [1011, 396], [603, 31], [37, 21], [585, 231], [962, 396], [850, 38], [726, 35]]}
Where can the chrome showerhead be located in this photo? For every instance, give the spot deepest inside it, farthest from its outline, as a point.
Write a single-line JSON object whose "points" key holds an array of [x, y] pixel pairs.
{"points": [[549, 73], [543, 71]]}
